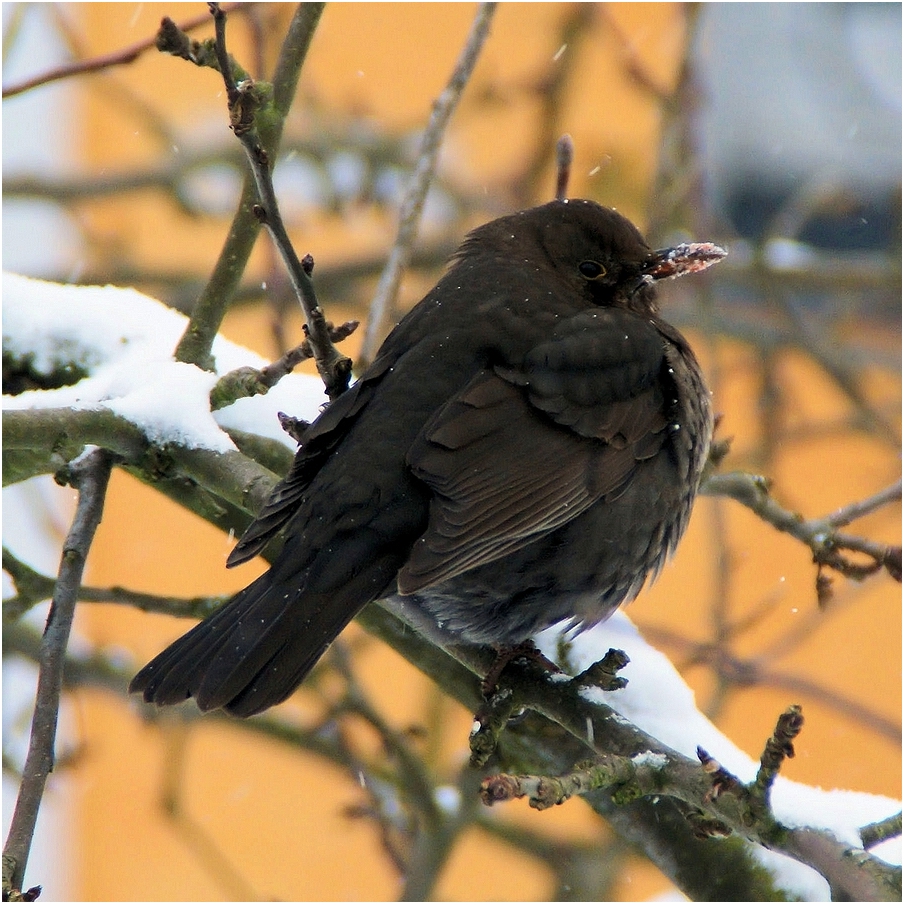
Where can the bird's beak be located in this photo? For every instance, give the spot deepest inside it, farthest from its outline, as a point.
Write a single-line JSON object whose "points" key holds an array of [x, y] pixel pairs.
{"points": [[689, 257]]}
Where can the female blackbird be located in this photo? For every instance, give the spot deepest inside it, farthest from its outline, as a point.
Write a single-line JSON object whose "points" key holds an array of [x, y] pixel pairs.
{"points": [[525, 449]]}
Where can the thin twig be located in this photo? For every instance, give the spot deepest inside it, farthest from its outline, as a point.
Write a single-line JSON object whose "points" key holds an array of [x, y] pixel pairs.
{"points": [[874, 833], [636, 68], [778, 747], [550, 91], [120, 57], [208, 313], [116, 90], [33, 588], [90, 474], [848, 514], [819, 533], [244, 382], [413, 203], [565, 152], [334, 368]]}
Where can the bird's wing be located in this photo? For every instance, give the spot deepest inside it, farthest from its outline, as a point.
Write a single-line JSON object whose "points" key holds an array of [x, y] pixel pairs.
{"points": [[318, 442], [524, 449]]}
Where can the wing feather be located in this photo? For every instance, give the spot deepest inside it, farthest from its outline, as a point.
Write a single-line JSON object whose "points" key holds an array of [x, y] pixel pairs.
{"points": [[521, 451]]}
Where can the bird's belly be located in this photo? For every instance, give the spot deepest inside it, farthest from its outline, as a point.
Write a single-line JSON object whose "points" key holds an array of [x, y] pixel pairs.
{"points": [[580, 572]]}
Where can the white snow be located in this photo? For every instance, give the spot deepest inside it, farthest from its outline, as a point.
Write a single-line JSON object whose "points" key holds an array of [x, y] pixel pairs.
{"points": [[658, 701], [651, 759], [125, 341]]}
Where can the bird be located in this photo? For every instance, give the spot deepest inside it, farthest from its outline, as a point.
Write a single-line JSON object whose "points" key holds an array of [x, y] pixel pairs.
{"points": [[524, 450]]}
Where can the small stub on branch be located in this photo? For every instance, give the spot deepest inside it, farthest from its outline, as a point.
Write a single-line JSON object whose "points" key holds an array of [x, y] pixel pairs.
{"points": [[565, 153]]}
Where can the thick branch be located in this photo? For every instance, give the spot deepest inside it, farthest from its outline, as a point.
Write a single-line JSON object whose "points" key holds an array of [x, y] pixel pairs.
{"points": [[44, 436], [40, 441], [853, 874], [591, 727]]}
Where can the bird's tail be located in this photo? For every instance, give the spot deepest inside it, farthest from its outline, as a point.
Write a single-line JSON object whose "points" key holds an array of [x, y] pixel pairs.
{"points": [[254, 651]]}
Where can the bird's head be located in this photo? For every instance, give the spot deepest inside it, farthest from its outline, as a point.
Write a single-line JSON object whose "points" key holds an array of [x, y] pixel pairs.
{"points": [[595, 250]]}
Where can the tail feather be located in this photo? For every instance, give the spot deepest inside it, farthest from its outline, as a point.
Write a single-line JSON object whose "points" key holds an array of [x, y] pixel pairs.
{"points": [[251, 654], [275, 681], [267, 654], [257, 649]]}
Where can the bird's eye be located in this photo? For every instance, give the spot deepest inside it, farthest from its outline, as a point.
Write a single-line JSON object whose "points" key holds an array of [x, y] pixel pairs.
{"points": [[591, 270]]}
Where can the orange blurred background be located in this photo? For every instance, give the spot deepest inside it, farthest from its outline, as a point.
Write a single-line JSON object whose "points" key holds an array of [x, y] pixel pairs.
{"points": [[262, 820]]}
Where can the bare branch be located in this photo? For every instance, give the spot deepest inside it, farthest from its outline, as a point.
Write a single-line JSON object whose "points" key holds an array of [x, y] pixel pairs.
{"points": [[246, 101], [413, 203], [196, 343], [778, 748], [848, 514], [105, 61], [875, 833], [33, 588], [90, 474], [565, 152], [244, 382], [819, 534]]}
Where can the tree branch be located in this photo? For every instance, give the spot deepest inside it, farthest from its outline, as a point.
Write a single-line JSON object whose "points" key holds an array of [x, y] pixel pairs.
{"points": [[592, 727], [196, 343], [120, 57], [416, 193], [90, 475], [33, 588], [47, 434], [245, 382], [248, 105], [819, 534]]}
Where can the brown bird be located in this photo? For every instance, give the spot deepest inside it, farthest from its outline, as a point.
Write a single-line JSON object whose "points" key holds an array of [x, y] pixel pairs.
{"points": [[525, 449]]}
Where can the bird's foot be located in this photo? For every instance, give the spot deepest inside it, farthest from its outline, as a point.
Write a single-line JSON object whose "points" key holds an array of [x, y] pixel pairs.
{"points": [[526, 650]]}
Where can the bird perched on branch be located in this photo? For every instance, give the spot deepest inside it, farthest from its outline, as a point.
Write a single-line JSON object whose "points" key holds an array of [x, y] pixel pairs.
{"points": [[525, 449]]}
